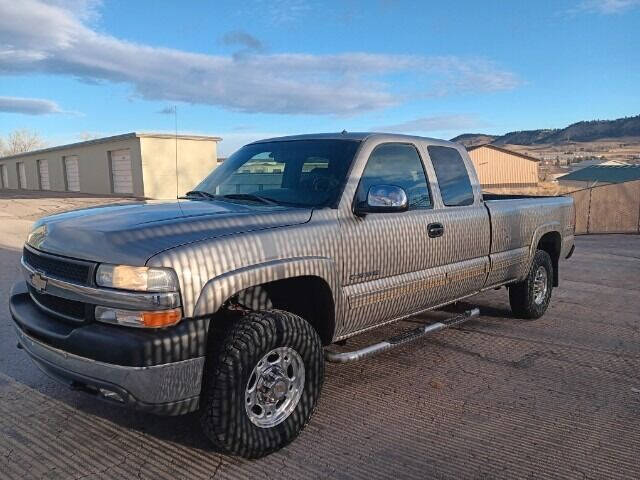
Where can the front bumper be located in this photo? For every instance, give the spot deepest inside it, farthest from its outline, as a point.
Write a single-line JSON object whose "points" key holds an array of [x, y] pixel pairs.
{"points": [[144, 381]]}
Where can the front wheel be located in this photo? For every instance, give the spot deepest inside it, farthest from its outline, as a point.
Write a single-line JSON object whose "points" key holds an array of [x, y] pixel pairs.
{"points": [[262, 382], [530, 298]]}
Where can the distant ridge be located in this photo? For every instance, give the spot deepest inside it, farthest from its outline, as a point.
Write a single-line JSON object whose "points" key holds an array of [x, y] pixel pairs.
{"points": [[585, 131], [474, 139]]}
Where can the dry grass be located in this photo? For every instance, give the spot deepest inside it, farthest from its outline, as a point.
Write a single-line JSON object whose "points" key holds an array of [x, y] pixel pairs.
{"points": [[626, 149]]}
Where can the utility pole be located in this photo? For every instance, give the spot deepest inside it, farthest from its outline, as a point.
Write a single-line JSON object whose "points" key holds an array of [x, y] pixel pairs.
{"points": [[175, 116]]}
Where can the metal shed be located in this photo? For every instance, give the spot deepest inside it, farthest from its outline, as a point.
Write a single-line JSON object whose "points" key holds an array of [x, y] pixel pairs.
{"points": [[600, 175], [501, 168], [152, 165]]}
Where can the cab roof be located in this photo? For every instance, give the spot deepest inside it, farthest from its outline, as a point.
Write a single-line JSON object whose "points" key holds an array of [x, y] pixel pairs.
{"points": [[356, 136]]}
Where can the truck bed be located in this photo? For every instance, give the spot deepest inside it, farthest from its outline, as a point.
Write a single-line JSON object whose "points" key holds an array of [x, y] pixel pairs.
{"points": [[516, 219]]}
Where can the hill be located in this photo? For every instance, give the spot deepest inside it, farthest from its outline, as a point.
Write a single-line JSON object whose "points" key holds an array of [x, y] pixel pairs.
{"points": [[585, 131], [474, 139]]}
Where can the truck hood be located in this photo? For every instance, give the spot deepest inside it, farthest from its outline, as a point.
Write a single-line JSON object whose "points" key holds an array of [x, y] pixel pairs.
{"points": [[133, 233]]}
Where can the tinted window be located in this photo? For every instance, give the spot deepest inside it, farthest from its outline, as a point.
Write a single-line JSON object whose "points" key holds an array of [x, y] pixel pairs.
{"points": [[301, 172], [452, 175], [400, 165], [259, 173]]}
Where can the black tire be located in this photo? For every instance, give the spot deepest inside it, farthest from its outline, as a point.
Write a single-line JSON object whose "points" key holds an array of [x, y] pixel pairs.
{"points": [[522, 295], [236, 346]]}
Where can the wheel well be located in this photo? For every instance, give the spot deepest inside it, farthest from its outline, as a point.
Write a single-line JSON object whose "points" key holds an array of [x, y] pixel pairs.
{"points": [[308, 297], [552, 244]]}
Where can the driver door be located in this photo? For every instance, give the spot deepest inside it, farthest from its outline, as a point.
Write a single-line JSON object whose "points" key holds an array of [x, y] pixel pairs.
{"points": [[384, 253]]}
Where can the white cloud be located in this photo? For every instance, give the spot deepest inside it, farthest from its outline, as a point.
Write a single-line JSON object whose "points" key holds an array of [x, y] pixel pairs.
{"points": [[439, 123], [37, 37], [608, 7], [28, 106]]}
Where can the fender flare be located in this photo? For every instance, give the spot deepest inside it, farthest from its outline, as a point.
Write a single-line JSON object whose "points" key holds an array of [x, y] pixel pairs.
{"points": [[538, 234], [542, 230], [219, 289]]}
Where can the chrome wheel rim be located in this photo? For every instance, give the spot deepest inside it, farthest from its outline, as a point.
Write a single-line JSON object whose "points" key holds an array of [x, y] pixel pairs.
{"points": [[274, 387], [540, 285]]}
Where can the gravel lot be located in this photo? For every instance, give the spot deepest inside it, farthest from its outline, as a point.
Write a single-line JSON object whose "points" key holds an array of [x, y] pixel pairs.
{"points": [[496, 398]]}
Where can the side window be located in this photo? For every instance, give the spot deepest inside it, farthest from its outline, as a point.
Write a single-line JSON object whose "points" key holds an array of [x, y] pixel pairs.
{"points": [[452, 175], [396, 164]]}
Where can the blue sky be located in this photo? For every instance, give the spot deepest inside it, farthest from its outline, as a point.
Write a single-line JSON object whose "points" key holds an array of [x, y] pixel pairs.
{"points": [[244, 70]]}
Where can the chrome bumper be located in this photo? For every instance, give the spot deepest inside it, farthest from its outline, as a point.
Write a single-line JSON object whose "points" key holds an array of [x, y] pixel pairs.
{"points": [[167, 389]]}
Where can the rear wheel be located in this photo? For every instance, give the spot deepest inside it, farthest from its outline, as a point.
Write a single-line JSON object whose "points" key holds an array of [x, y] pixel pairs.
{"points": [[530, 298], [262, 382]]}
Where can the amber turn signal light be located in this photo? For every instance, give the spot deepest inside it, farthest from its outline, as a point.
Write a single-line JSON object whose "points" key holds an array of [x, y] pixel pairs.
{"points": [[161, 318], [139, 319]]}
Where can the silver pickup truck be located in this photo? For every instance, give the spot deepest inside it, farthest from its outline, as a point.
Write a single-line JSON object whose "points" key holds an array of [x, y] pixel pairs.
{"points": [[228, 300]]}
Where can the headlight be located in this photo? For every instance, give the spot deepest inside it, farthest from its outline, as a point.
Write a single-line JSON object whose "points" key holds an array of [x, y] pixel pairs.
{"points": [[147, 279], [37, 236]]}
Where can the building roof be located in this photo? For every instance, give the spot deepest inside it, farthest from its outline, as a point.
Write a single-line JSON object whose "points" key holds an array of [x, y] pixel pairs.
{"points": [[504, 150], [114, 138], [594, 161], [604, 173]]}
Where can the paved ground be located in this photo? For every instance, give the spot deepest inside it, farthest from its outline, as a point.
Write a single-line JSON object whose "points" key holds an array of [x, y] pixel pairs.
{"points": [[18, 210], [497, 398]]}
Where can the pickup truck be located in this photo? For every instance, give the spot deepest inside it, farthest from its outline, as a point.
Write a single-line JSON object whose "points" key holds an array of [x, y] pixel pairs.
{"points": [[227, 301]]}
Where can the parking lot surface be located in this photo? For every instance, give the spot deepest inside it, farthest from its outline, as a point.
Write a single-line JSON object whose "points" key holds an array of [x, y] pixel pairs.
{"points": [[497, 397]]}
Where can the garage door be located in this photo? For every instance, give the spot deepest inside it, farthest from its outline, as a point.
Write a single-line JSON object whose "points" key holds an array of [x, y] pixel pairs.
{"points": [[43, 171], [22, 176], [72, 173], [121, 177], [4, 176]]}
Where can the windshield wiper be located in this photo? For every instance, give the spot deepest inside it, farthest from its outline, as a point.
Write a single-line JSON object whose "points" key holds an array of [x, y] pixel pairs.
{"points": [[249, 196], [200, 193], [230, 196]]}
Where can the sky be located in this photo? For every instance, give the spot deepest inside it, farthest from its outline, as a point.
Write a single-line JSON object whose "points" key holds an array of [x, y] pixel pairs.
{"points": [[260, 68]]}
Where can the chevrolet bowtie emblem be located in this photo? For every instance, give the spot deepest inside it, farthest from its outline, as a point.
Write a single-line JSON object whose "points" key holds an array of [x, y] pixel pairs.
{"points": [[38, 281]]}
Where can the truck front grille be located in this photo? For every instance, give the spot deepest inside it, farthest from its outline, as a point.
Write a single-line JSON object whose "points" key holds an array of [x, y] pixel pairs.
{"points": [[60, 307], [75, 271], [62, 268]]}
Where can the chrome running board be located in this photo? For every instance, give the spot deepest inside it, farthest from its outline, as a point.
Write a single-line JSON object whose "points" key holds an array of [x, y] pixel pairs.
{"points": [[401, 339]]}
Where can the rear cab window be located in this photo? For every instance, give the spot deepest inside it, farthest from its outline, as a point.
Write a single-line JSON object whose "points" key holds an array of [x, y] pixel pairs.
{"points": [[452, 175]]}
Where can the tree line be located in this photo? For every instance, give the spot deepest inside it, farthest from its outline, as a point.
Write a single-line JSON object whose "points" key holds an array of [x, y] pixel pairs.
{"points": [[19, 141]]}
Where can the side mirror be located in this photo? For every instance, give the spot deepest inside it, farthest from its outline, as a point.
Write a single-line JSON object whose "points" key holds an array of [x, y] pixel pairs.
{"points": [[383, 199]]}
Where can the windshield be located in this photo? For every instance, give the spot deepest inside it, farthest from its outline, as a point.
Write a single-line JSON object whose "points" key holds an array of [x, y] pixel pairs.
{"points": [[306, 173]]}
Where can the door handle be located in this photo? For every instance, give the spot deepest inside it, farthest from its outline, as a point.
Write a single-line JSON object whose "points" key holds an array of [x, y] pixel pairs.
{"points": [[435, 230]]}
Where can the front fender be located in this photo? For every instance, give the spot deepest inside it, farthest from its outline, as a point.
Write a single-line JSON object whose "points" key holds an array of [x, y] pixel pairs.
{"points": [[219, 289]]}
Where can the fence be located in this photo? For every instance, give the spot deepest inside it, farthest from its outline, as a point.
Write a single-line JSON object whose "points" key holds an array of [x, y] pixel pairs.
{"points": [[611, 208]]}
